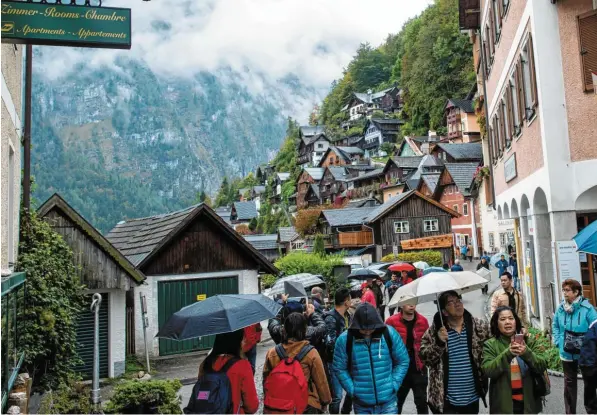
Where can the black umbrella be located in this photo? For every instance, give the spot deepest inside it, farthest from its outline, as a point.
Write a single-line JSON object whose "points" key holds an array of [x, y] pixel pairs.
{"points": [[362, 274], [218, 314], [294, 289]]}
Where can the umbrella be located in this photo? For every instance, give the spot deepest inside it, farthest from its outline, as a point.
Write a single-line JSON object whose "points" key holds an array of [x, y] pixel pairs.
{"points": [[586, 240], [401, 266], [362, 274], [495, 258], [294, 289], [307, 280], [421, 265], [433, 269], [430, 286], [218, 314]]}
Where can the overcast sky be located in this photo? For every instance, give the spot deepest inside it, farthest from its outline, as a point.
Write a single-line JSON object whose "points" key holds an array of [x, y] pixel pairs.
{"points": [[313, 39]]}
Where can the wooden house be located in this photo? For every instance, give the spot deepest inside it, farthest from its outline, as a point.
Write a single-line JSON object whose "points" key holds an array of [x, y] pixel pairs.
{"points": [[312, 146], [366, 184], [278, 180], [341, 156], [418, 146], [307, 178], [461, 121], [104, 270], [186, 256], [378, 131], [412, 221], [243, 213], [363, 104], [289, 239], [333, 184], [343, 228]]}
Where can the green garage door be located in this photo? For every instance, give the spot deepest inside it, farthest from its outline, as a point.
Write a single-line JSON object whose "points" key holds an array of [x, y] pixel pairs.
{"points": [[85, 328], [174, 295]]}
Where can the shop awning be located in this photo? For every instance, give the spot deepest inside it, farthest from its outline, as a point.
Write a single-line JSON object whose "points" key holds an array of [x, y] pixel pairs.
{"points": [[586, 240]]}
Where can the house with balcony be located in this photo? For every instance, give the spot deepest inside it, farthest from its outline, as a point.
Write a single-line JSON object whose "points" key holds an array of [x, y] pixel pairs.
{"points": [[409, 222], [378, 131], [365, 185], [313, 143], [333, 185], [343, 228], [310, 176], [363, 104], [341, 156], [413, 146], [353, 140], [461, 121]]}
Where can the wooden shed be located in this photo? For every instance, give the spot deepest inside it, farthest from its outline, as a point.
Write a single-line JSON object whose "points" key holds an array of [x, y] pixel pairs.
{"points": [[187, 256], [102, 269]]}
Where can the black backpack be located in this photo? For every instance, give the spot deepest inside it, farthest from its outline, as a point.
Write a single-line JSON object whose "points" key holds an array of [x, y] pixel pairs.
{"points": [[350, 340], [212, 394]]}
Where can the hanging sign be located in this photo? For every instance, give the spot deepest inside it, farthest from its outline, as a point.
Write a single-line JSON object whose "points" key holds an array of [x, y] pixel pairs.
{"points": [[60, 25]]}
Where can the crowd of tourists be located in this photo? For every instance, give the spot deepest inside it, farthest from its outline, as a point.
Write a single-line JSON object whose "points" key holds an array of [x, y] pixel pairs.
{"points": [[348, 359]]}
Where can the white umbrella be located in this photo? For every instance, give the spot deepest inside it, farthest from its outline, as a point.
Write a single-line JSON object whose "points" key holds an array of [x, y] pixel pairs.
{"points": [[421, 265], [429, 287]]}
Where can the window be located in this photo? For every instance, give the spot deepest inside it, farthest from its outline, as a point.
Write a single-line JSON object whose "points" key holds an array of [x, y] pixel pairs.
{"points": [[529, 81], [450, 190], [587, 27], [497, 18], [319, 145], [505, 4], [430, 225], [506, 121], [514, 112], [491, 240], [401, 226], [455, 207], [465, 209]]}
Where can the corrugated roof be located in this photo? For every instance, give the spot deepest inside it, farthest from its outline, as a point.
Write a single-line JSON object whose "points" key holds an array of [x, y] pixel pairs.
{"points": [[464, 151], [139, 239], [287, 233], [463, 175], [245, 210], [464, 104], [316, 173], [263, 242], [347, 216]]}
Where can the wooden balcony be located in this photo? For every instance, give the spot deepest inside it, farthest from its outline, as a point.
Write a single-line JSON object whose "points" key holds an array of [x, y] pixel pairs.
{"points": [[353, 239], [304, 158], [453, 118], [454, 134]]}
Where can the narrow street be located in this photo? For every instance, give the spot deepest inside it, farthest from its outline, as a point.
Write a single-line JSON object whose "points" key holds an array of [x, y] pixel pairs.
{"points": [[474, 302]]}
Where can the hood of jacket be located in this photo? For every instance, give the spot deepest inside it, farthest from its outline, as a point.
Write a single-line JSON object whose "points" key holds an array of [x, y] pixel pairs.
{"points": [[366, 317]]}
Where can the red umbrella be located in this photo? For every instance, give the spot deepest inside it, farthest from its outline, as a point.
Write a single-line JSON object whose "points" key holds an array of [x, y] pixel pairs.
{"points": [[402, 266]]}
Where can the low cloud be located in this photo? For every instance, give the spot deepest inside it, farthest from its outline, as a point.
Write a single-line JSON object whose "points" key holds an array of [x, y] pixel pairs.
{"points": [[311, 39]]}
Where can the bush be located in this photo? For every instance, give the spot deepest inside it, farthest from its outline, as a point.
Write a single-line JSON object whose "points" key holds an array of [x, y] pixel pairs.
{"points": [[146, 397], [268, 280], [433, 258], [306, 220], [68, 398], [299, 262], [243, 229], [318, 245], [546, 349]]}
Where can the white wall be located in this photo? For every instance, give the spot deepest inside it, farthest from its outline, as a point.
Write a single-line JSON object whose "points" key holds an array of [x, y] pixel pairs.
{"points": [[247, 284]]}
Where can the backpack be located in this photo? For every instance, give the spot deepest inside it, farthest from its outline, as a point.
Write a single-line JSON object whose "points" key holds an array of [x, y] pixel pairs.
{"points": [[350, 339], [212, 394], [285, 389], [339, 324]]}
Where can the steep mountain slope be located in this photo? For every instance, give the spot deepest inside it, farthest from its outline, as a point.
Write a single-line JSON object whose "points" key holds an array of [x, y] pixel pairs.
{"points": [[121, 141]]}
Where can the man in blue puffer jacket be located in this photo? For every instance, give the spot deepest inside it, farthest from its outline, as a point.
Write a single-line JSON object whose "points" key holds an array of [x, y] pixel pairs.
{"points": [[373, 370]]}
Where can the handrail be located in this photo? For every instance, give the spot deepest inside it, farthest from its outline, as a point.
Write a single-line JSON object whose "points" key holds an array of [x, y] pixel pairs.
{"points": [[11, 380], [13, 281]]}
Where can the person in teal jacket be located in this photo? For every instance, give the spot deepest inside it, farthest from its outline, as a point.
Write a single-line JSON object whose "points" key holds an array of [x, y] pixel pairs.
{"points": [[372, 372], [573, 316]]}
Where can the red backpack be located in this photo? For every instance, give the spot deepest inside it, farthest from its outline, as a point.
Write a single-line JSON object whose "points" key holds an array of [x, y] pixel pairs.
{"points": [[286, 390]]}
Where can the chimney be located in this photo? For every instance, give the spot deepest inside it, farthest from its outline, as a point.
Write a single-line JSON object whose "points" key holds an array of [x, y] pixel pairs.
{"points": [[432, 137], [425, 148]]}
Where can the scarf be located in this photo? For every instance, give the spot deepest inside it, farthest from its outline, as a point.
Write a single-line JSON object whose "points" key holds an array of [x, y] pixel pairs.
{"points": [[511, 300], [569, 307]]}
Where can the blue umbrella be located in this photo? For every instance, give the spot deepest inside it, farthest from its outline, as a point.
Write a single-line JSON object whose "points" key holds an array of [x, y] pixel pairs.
{"points": [[218, 314], [433, 269], [586, 240]]}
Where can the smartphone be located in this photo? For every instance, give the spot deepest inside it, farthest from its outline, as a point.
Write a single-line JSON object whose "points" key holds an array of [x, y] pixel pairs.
{"points": [[519, 338]]}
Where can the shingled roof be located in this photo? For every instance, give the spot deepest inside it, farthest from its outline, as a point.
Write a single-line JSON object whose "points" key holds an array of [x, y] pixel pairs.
{"points": [[140, 239], [311, 130], [316, 173], [263, 242], [465, 105], [394, 201], [346, 216], [405, 162], [464, 151], [58, 203], [463, 175], [287, 234], [431, 180], [339, 173], [245, 210]]}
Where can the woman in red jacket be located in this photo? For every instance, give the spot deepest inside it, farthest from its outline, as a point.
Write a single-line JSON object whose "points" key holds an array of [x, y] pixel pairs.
{"points": [[368, 295], [411, 326], [251, 338], [244, 393]]}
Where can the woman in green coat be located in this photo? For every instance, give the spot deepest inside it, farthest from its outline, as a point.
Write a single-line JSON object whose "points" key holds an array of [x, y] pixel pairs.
{"points": [[508, 365]]}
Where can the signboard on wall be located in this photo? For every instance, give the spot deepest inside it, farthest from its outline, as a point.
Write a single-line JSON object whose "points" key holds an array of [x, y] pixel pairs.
{"points": [[567, 262], [510, 168], [65, 25]]}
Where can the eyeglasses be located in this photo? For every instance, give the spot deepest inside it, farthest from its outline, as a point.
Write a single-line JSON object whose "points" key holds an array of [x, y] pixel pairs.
{"points": [[567, 290], [454, 302]]}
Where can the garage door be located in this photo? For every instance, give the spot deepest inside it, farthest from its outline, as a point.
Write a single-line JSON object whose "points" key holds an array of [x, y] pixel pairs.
{"points": [[85, 327], [174, 295]]}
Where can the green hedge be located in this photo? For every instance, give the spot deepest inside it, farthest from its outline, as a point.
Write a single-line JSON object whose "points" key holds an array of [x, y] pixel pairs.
{"points": [[146, 397], [433, 258], [300, 262]]}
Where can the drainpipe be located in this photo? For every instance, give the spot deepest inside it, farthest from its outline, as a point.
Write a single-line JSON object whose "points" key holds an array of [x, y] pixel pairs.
{"points": [[95, 389], [474, 218], [485, 100], [373, 235]]}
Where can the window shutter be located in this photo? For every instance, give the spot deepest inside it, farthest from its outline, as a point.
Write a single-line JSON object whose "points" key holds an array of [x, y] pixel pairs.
{"points": [[587, 37], [502, 128], [509, 108], [520, 88], [532, 71], [492, 29]]}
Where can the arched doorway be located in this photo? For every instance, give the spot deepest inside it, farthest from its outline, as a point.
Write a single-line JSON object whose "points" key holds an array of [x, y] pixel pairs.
{"points": [[586, 213]]}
